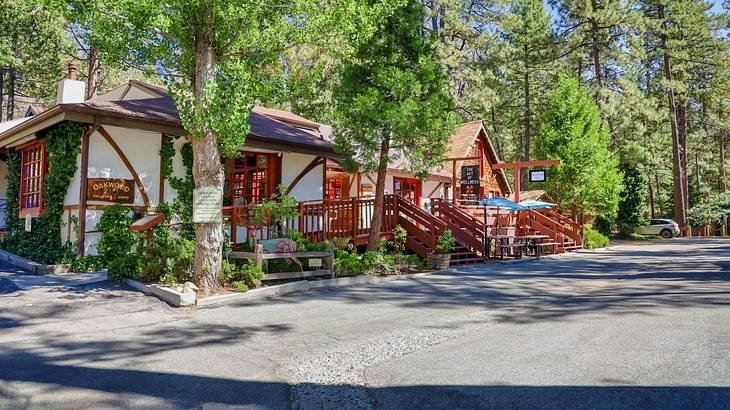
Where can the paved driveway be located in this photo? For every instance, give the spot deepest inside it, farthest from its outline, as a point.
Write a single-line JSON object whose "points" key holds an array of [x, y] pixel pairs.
{"points": [[644, 325]]}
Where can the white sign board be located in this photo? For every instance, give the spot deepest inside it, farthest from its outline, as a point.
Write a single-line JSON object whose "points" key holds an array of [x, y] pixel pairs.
{"points": [[28, 222], [208, 205], [538, 175], [315, 263]]}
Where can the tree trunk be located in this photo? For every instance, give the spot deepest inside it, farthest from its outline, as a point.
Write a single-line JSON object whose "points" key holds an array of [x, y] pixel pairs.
{"points": [[683, 155], [680, 209], [92, 80], [526, 124], [207, 169], [723, 183], [495, 136], [596, 52], [377, 218], [651, 198]]}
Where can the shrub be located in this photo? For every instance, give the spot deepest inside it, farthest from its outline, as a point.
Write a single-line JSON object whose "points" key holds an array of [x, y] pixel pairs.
{"points": [[245, 273], [116, 238], [593, 239], [123, 267], [87, 264], [400, 236], [169, 260], [347, 264], [445, 243], [241, 286]]}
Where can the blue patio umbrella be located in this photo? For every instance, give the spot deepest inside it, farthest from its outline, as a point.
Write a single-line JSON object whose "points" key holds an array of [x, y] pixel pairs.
{"points": [[501, 202], [532, 204]]}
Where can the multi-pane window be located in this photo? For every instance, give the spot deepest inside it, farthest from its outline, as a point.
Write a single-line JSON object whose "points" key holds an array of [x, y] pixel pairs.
{"points": [[33, 169], [248, 178], [336, 187]]}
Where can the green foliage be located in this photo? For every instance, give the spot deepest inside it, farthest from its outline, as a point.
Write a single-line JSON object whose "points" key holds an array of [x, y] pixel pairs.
{"points": [[275, 210], [400, 236], [116, 239], [573, 132], [87, 263], [238, 274], [718, 205], [445, 243], [241, 286], [593, 239], [43, 243], [632, 202], [169, 260], [603, 225], [182, 207], [123, 267]]}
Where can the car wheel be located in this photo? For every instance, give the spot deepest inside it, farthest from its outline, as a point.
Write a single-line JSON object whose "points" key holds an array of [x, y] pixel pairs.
{"points": [[666, 234]]}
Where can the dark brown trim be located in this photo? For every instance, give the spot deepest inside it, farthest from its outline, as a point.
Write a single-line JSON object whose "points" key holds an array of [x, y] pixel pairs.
{"points": [[305, 171], [324, 178], [126, 162]]}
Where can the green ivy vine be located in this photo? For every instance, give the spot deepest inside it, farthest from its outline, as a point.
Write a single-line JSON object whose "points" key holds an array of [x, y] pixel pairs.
{"points": [[182, 206], [43, 243]]}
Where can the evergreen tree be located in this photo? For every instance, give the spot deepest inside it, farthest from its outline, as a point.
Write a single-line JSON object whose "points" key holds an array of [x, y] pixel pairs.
{"points": [[573, 132], [392, 103]]}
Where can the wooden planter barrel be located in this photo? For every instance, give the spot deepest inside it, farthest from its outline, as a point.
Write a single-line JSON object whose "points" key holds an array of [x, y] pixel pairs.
{"points": [[440, 261]]}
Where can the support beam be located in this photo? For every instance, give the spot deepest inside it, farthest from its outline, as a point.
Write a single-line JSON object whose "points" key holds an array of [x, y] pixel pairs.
{"points": [[128, 164], [546, 162], [84, 174], [312, 165]]}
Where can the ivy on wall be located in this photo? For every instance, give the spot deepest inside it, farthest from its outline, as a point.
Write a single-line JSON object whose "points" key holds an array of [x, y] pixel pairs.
{"points": [[182, 207], [43, 242]]}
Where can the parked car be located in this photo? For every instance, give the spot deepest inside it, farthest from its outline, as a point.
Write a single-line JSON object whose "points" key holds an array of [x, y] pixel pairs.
{"points": [[667, 228]]}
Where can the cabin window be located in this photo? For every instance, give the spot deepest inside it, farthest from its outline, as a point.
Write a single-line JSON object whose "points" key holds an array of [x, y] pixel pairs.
{"points": [[249, 178], [408, 188], [32, 178], [337, 187]]}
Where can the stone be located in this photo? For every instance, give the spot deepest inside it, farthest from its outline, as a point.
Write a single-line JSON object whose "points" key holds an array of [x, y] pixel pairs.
{"points": [[189, 287]]}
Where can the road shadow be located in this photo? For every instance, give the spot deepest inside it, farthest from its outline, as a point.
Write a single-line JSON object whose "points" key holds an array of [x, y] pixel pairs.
{"points": [[96, 387]]}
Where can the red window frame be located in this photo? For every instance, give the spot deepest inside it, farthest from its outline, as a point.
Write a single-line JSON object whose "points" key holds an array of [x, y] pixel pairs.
{"points": [[33, 169], [250, 176], [404, 187], [337, 187]]}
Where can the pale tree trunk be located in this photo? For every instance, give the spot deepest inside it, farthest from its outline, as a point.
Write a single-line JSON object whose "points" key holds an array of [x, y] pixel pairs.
{"points": [[680, 209], [496, 136], [723, 182], [596, 52], [377, 219], [526, 123], [92, 78], [207, 171]]}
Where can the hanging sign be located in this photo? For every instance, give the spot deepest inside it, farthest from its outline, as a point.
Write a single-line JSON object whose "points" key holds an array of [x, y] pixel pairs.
{"points": [[119, 191], [470, 184], [28, 222], [207, 205], [538, 175]]}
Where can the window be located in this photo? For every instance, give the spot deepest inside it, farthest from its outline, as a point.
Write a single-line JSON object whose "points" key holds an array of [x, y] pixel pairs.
{"points": [[408, 188], [337, 187], [32, 177], [249, 178]]}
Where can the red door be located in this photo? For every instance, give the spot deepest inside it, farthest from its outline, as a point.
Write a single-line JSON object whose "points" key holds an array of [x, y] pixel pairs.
{"points": [[408, 188]]}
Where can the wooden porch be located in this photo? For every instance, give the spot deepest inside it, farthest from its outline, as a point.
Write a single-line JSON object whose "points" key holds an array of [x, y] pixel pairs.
{"points": [[321, 220]]}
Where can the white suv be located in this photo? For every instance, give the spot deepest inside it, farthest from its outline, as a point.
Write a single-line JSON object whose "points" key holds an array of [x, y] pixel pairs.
{"points": [[667, 228]]}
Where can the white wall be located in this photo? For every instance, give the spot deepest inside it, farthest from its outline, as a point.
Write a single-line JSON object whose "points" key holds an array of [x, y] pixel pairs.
{"points": [[309, 187]]}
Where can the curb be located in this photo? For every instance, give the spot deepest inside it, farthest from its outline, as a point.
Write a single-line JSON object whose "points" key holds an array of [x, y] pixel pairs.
{"points": [[171, 296], [31, 266], [303, 286]]}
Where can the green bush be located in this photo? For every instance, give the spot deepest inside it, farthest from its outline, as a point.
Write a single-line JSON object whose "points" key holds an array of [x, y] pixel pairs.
{"points": [[169, 260], [116, 238], [241, 286], [593, 239], [87, 264], [445, 243], [123, 267], [242, 273]]}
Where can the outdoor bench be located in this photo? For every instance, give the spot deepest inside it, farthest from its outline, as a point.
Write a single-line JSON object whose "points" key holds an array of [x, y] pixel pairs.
{"points": [[259, 256]]}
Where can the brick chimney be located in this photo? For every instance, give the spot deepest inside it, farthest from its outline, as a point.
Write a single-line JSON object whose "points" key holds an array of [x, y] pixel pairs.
{"points": [[71, 90]]}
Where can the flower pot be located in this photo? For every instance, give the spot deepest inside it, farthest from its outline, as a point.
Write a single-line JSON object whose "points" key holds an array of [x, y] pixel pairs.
{"points": [[440, 261]]}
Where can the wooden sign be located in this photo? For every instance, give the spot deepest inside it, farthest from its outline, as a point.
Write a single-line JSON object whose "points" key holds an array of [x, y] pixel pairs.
{"points": [[470, 182], [207, 204], [120, 191]]}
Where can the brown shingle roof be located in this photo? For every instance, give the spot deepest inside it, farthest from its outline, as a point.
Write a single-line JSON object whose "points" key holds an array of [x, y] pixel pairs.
{"points": [[162, 111]]}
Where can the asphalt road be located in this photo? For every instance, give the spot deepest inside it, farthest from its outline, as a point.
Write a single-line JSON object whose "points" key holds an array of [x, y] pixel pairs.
{"points": [[644, 325]]}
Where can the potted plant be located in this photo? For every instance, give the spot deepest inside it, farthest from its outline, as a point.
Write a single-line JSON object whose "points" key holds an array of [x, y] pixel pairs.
{"points": [[445, 244]]}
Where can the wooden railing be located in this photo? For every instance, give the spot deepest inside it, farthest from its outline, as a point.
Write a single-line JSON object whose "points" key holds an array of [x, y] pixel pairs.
{"points": [[468, 230], [320, 220]]}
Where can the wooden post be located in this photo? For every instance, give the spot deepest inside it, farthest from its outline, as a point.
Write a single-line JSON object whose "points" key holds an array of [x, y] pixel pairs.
{"points": [[161, 196], [453, 181], [258, 255], [354, 217], [517, 183], [84, 175]]}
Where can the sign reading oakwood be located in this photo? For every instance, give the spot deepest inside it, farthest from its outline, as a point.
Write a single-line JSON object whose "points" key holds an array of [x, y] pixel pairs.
{"points": [[120, 191]]}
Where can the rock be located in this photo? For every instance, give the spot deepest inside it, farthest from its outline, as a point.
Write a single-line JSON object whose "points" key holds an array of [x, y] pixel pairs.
{"points": [[189, 287]]}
